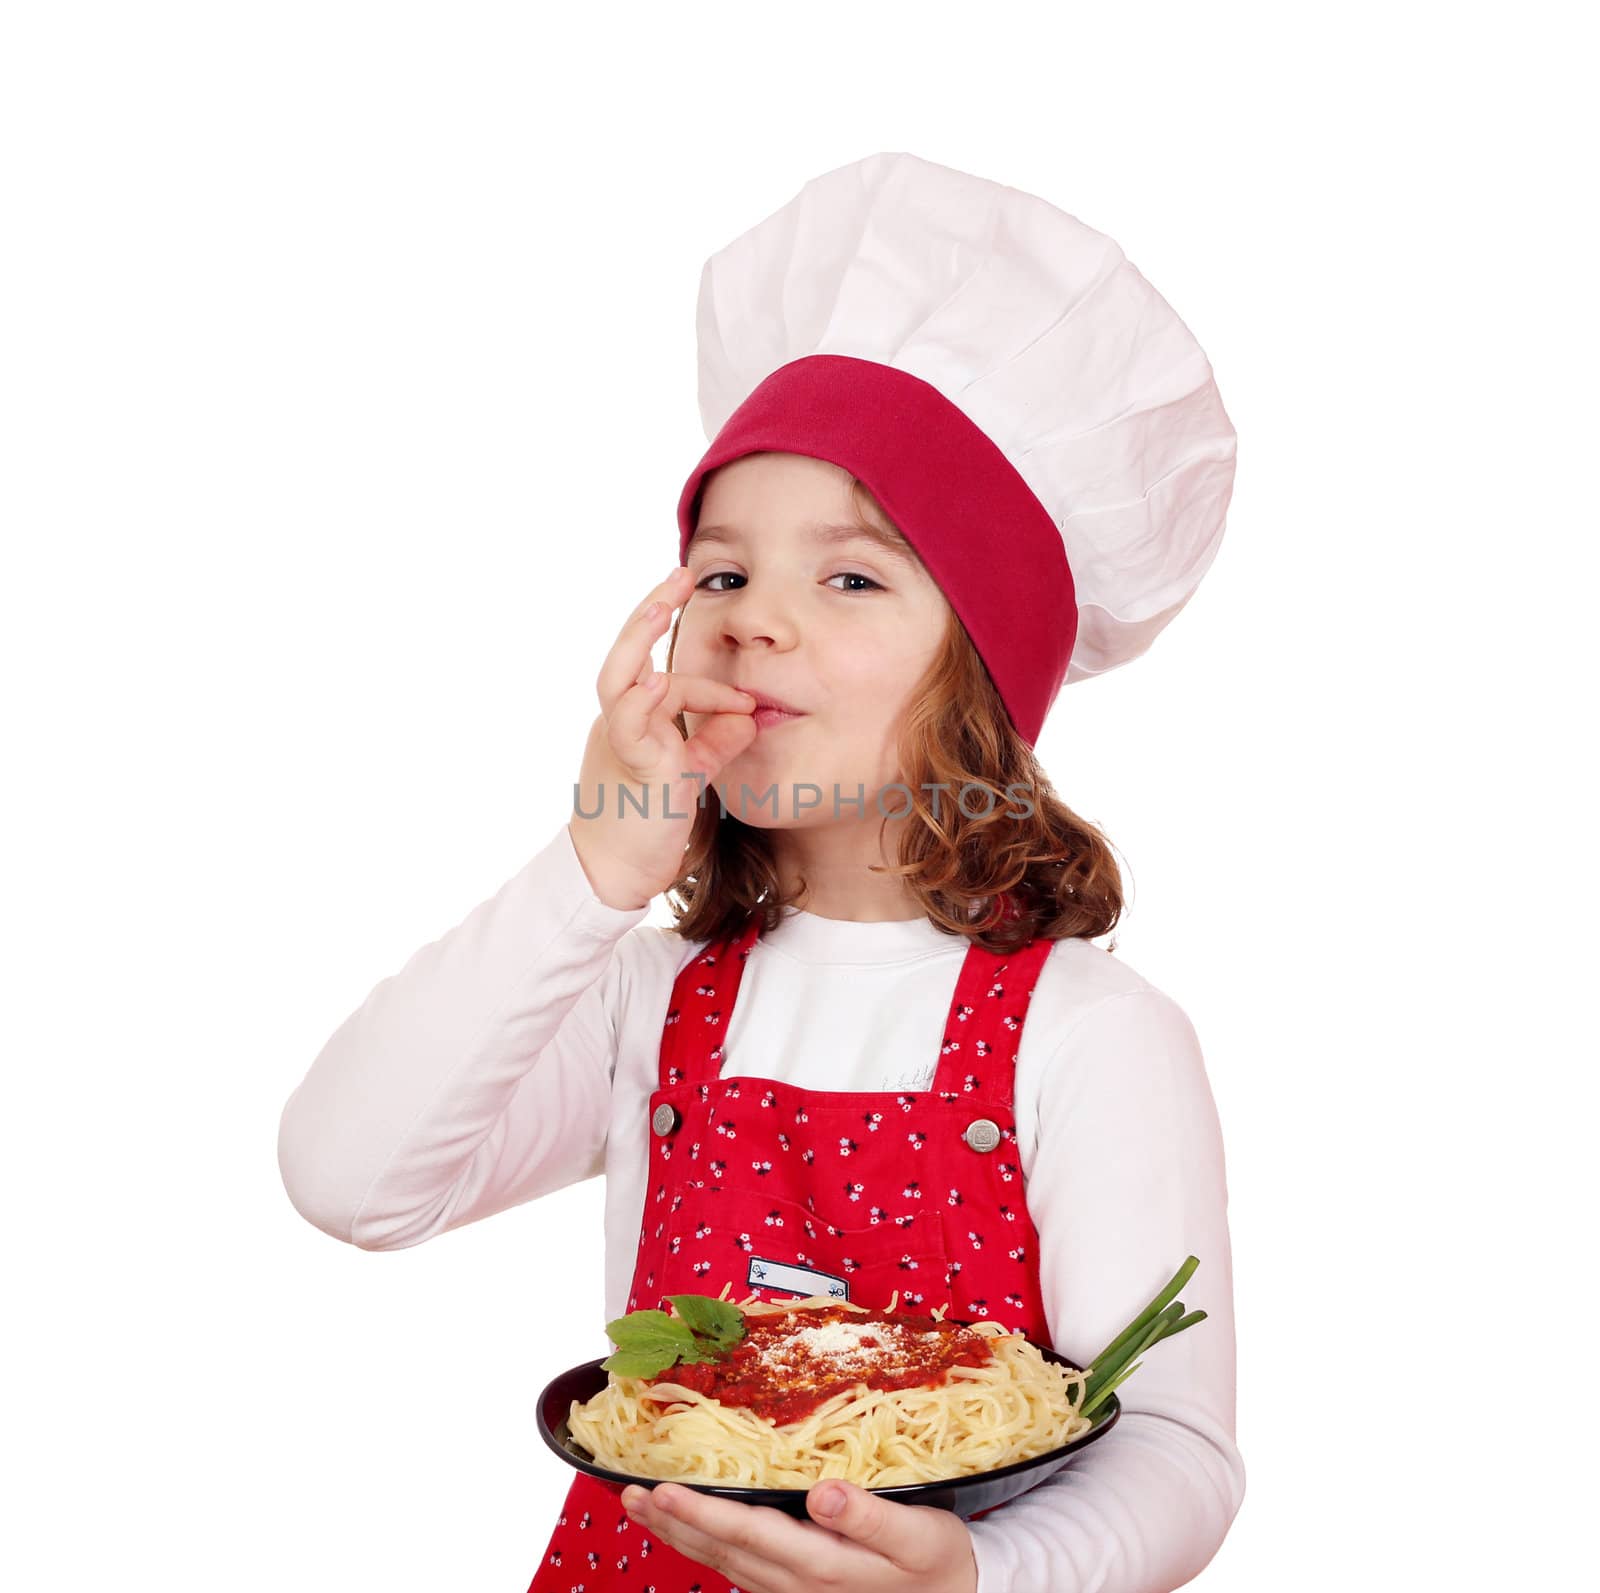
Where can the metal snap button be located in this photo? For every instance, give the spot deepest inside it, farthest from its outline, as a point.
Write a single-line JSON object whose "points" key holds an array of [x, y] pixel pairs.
{"points": [[664, 1120], [982, 1134]]}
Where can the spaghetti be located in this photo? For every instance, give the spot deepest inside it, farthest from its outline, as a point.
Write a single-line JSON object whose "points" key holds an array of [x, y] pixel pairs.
{"points": [[822, 1388]]}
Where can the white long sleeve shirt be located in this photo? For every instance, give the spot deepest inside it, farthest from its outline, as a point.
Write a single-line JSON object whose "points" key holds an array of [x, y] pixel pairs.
{"points": [[516, 1054]]}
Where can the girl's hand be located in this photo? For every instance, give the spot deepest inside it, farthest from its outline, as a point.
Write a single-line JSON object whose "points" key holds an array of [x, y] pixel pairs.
{"points": [[870, 1546], [631, 858]]}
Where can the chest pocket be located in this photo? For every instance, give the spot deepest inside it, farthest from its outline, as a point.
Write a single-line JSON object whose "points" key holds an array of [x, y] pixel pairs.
{"points": [[824, 1187]]}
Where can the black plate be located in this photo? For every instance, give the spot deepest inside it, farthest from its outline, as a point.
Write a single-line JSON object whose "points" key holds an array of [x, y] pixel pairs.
{"points": [[966, 1496]]}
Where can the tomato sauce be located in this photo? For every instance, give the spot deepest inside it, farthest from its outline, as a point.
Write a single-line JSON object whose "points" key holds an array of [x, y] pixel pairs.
{"points": [[789, 1363]]}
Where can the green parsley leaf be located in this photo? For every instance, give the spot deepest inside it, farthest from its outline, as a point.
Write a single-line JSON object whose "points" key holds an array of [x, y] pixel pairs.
{"points": [[651, 1333], [648, 1342], [718, 1320], [637, 1363]]}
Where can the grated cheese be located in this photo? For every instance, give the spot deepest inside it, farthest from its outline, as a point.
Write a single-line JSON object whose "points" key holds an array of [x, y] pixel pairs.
{"points": [[830, 1337], [842, 1346]]}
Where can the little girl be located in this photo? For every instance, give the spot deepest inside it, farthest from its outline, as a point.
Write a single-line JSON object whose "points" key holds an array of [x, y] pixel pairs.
{"points": [[961, 455]]}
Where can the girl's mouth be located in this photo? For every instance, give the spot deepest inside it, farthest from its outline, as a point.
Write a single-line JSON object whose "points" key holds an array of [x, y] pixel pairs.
{"points": [[769, 718]]}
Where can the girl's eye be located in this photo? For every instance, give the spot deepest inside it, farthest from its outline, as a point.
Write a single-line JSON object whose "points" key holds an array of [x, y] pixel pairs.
{"points": [[704, 585]]}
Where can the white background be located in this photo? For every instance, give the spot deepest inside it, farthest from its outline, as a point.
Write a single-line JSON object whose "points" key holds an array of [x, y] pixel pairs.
{"points": [[348, 387]]}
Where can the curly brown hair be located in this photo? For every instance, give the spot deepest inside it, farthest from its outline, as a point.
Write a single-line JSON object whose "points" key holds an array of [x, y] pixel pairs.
{"points": [[1000, 878]]}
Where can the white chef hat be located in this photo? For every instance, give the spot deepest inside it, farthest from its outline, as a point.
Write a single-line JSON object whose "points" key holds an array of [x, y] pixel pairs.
{"points": [[1029, 411]]}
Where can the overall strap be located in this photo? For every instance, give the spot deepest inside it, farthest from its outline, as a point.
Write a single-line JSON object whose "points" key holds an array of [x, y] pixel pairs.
{"points": [[983, 1033], [701, 1007]]}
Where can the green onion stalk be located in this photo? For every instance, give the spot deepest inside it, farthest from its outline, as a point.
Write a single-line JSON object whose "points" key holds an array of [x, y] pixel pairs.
{"points": [[1159, 1320]]}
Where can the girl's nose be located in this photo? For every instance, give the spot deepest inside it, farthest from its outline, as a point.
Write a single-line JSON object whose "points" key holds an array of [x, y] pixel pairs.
{"points": [[753, 619]]}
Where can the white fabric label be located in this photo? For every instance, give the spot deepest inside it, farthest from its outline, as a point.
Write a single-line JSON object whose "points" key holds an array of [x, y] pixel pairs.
{"points": [[796, 1280]]}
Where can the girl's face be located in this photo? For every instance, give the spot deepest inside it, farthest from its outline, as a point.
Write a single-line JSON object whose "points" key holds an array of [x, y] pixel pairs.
{"points": [[828, 620]]}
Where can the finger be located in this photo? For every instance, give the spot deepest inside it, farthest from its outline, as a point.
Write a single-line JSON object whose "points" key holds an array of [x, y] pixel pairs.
{"points": [[630, 652], [642, 733], [698, 694], [637, 735], [729, 1539], [640, 725], [715, 744], [900, 1533]]}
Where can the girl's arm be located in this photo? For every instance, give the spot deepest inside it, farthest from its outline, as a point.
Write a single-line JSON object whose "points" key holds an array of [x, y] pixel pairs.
{"points": [[1129, 1179], [477, 1077]]}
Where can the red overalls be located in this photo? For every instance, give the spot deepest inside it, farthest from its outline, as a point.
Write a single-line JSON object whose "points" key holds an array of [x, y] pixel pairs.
{"points": [[780, 1192]]}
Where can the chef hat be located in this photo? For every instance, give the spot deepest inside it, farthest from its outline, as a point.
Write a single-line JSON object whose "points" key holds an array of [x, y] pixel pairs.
{"points": [[1029, 411]]}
